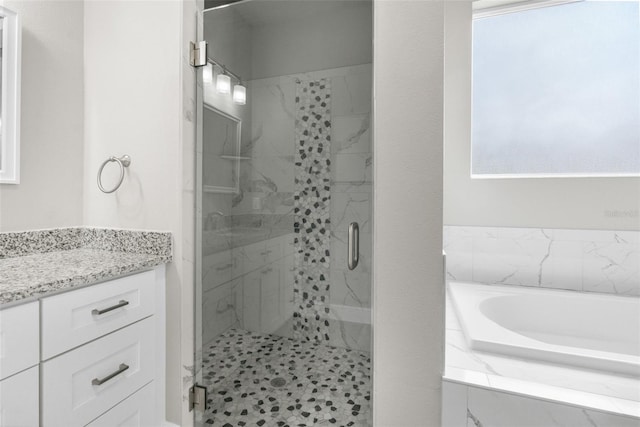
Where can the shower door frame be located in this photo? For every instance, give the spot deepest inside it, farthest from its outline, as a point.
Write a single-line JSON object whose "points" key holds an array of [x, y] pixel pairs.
{"points": [[198, 188], [198, 228]]}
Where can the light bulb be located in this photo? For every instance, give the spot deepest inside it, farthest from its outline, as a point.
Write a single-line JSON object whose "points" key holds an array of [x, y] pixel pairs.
{"points": [[207, 74], [223, 83], [239, 94]]}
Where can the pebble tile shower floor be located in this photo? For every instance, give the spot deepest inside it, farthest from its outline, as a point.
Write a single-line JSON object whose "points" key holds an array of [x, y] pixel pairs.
{"points": [[322, 385]]}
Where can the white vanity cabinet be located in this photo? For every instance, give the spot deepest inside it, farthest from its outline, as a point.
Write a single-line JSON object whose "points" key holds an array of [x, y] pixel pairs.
{"points": [[19, 357], [80, 385], [19, 399], [74, 318], [99, 356], [136, 410], [250, 286], [262, 296], [272, 297]]}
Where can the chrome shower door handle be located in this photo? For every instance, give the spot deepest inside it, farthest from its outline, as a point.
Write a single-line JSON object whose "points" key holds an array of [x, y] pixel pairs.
{"points": [[353, 250]]}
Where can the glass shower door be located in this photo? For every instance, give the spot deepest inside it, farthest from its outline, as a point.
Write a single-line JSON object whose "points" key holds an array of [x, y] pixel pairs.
{"points": [[284, 325]]}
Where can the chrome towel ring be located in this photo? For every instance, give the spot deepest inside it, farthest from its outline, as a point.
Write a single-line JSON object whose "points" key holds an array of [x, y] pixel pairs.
{"points": [[123, 161]]}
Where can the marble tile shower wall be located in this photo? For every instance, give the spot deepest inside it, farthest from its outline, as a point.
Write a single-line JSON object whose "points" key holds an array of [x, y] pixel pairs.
{"points": [[351, 187], [581, 260], [269, 175]]}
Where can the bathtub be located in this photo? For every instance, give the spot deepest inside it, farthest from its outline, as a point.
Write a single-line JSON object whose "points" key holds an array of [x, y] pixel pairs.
{"points": [[592, 331]]}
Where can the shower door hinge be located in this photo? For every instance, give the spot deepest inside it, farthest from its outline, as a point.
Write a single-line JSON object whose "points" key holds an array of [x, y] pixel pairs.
{"points": [[197, 398], [198, 54]]}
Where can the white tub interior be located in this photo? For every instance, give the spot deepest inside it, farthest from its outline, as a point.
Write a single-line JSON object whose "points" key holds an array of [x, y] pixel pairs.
{"points": [[590, 331]]}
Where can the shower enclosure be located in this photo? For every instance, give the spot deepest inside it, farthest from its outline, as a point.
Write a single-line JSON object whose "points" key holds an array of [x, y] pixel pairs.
{"points": [[283, 215]]}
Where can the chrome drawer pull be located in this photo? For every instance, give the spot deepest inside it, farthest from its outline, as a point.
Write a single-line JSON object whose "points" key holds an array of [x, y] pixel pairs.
{"points": [[226, 267], [120, 370], [97, 312], [266, 252]]}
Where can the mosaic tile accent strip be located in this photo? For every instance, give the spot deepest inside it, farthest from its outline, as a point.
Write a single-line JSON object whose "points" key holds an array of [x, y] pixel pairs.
{"points": [[15, 244], [312, 198], [264, 380]]}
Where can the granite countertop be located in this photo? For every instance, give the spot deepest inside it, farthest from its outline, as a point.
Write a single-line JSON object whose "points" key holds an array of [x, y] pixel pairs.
{"points": [[33, 276], [32, 271]]}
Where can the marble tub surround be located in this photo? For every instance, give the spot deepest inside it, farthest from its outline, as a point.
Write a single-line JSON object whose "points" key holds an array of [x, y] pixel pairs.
{"points": [[37, 263], [464, 405], [577, 260], [605, 261], [16, 244], [588, 389]]}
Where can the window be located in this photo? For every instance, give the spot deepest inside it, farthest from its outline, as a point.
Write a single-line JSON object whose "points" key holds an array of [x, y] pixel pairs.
{"points": [[556, 91]]}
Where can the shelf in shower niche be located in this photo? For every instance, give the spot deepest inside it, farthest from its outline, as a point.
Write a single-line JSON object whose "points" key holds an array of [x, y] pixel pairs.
{"points": [[235, 157], [218, 189]]}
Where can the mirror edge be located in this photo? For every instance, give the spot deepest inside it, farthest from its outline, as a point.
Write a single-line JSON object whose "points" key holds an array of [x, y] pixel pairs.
{"points": [[10, 133]]}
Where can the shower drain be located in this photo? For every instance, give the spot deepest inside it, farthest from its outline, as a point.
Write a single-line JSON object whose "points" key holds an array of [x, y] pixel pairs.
{"points": [[278, 382]]}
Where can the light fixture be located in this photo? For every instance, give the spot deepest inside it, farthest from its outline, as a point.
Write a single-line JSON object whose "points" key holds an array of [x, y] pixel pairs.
{"points": [[223, 82], [239, 94], [207, 74]]}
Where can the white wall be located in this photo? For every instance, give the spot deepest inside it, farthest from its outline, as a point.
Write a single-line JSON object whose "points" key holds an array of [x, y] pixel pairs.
{"points": [[50, 189], [408, 272], [134, 60], [229, 40], [345, 40], [578, 203], [87, 94], [132, 107], [257, 40]]}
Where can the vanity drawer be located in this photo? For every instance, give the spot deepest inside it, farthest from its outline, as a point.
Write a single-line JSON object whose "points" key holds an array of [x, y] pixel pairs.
{"points": [[138, 410], [19, 399], [260, 254], [73, 318], [82, 384], [287, 244], [216, 270], [19, 338], [272, 251]]}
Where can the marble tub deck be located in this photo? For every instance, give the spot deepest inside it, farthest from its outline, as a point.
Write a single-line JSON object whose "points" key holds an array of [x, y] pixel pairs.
{"points": [[589, 389]]}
